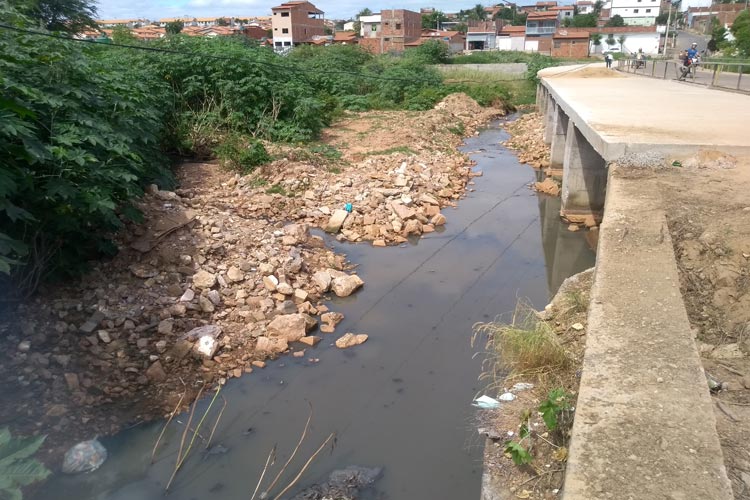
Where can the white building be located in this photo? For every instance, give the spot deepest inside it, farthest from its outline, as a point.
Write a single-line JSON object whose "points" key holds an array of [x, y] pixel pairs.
{"points": [[643, 38], [370, 26], [636, 12], [585, 6], [349, 26]]}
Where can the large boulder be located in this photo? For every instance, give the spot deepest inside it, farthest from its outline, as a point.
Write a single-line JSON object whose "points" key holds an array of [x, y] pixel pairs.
{"points": [[345, 285], [336, 221], [350, 340], [274, 345], [290, 327]]}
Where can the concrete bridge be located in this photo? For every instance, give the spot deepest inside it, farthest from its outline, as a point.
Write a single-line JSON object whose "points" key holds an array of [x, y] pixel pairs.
{"points": [[593, 119], [644, 426]]}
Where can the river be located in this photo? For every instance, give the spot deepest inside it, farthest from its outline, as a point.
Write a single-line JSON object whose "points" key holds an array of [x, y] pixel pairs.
{"points": [[402, 400]]}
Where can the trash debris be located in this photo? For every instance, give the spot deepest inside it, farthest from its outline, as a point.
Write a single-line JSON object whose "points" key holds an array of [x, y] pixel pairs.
{"points": [[713, 384], [348, 207], [577, 327], [521, 386], [86, 456], [676, 163], [508, 396], [486, 403]]}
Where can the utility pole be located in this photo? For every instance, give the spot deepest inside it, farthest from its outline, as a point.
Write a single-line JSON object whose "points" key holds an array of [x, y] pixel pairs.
{"points": [[669, 20]]}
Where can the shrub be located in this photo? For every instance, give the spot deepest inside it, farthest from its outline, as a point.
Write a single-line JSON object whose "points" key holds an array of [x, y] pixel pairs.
{"points": [[79, 137], [241, 153]]}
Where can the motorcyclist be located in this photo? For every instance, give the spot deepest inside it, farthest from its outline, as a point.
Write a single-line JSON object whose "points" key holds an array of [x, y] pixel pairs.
{"points": [[692, 52]]}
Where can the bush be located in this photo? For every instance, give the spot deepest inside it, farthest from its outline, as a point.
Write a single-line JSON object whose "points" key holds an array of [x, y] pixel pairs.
{"points": [[79, 137], [430, 52], [241, 153]]}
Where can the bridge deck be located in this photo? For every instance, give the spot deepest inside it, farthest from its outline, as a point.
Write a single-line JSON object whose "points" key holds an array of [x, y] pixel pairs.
{"points": [[625, 113]]}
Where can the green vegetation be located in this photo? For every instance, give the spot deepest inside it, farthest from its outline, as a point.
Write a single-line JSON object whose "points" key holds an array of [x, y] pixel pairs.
{"points": [[581, 21], [85, 127], [395, 150], [615, 21], [556, 413], [741, 32], [525, 345], [17, 467]]}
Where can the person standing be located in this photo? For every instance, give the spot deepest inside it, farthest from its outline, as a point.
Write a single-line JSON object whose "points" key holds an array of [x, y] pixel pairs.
{"points": [[608, 59]]}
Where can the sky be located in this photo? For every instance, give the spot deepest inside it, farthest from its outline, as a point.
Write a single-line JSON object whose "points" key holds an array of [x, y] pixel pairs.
{"points": [[334, 9]]}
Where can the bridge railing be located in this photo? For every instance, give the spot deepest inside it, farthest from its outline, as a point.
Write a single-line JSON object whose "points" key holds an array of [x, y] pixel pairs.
{"points": [[728, 75]]}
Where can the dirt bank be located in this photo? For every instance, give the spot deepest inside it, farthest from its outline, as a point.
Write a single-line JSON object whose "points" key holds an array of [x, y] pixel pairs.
{"points": [[226, 263], [708, 210]]}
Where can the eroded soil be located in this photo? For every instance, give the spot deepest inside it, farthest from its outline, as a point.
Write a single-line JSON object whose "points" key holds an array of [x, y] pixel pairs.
{"points": [[708, 210]]}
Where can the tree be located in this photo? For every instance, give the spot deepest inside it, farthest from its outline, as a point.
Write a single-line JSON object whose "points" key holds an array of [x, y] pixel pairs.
{"points": [[718, 36], [741, 32], [430, 52], [621, 40], [616, 21], [477, 13], [72, 16], [596, 39], [357, 24], [610, 40], [598, 6], [174, 27], [222, 21], [462, 28], [123, 35], [432, 20], [581, 21], [662, 19]]}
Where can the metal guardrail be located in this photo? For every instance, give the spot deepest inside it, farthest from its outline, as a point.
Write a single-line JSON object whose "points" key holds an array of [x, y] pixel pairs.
{"points": [[720, 74]]}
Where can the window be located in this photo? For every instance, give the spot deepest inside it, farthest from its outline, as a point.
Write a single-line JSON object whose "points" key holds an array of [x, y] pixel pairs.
{"points": [[398, 26], [287, 44], [276, 29], [278, 44], [387, 39], [648, 10], [635, 11], [558, 45], [285, 30], [374, 27], [286, 14]]}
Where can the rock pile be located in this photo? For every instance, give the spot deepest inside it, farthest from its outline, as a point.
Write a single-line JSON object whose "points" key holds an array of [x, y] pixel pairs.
{"points": [[527, 140], [223, 275]]}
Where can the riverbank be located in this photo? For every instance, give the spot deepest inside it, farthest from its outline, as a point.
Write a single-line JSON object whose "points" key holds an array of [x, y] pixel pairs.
{"points": [[114, 350]]}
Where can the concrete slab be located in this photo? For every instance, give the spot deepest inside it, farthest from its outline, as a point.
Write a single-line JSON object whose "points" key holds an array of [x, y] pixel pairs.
{"points": [[623, 113], [644, 425]]}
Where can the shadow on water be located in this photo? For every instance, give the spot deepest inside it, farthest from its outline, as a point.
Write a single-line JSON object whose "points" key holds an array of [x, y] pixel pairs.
{"points": [[400, 401]]}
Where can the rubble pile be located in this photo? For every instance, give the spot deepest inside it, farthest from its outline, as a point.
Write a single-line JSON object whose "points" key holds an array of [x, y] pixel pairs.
{"points": [[527, 140], [224, 275]]}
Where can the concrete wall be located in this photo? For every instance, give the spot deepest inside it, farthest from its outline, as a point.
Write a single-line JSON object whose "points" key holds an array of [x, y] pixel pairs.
{"points": [[509, 69]]}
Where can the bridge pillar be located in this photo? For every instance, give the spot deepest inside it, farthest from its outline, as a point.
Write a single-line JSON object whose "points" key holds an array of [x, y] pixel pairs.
{"points": [[559, 132], [584, 178], [549, 118]]}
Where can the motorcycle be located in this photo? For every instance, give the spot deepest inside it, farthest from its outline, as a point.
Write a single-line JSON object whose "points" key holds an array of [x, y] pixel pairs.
{"points": [[689, 65]]}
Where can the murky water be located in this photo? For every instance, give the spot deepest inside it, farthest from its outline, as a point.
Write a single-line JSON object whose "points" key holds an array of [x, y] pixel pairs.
{"points": [[400, 401]]}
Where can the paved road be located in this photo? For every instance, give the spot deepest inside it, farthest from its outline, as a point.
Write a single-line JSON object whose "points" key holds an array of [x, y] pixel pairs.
{"points": [[632, 113], [685, 38], [703, 76]]}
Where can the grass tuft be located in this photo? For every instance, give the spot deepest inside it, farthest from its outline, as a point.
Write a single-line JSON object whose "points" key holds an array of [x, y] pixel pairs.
{"points": [[525, 345]]}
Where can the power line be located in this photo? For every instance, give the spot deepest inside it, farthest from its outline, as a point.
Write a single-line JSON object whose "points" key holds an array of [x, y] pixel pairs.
{"points": [[227, 58]]}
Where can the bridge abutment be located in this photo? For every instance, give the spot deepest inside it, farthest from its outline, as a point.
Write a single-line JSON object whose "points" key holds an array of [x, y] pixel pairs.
{"points": [[557, 147]]}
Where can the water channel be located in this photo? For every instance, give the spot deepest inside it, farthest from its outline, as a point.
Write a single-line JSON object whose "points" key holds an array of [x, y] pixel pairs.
{"points": [[402, 400]]}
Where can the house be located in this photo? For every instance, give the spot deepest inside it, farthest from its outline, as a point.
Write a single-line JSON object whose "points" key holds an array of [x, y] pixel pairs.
{"points": [[540, 26], [482, 35], [585, 6], [544, 6], [345, 38], [456, 41], [563, 11], [572, 44], [511, 38], [644, 38], [636, 12], [396, 28], [254, 32], [700, 18], [349, 26], [127, 23], [148, 33], [369, 26], [296, 22]]}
